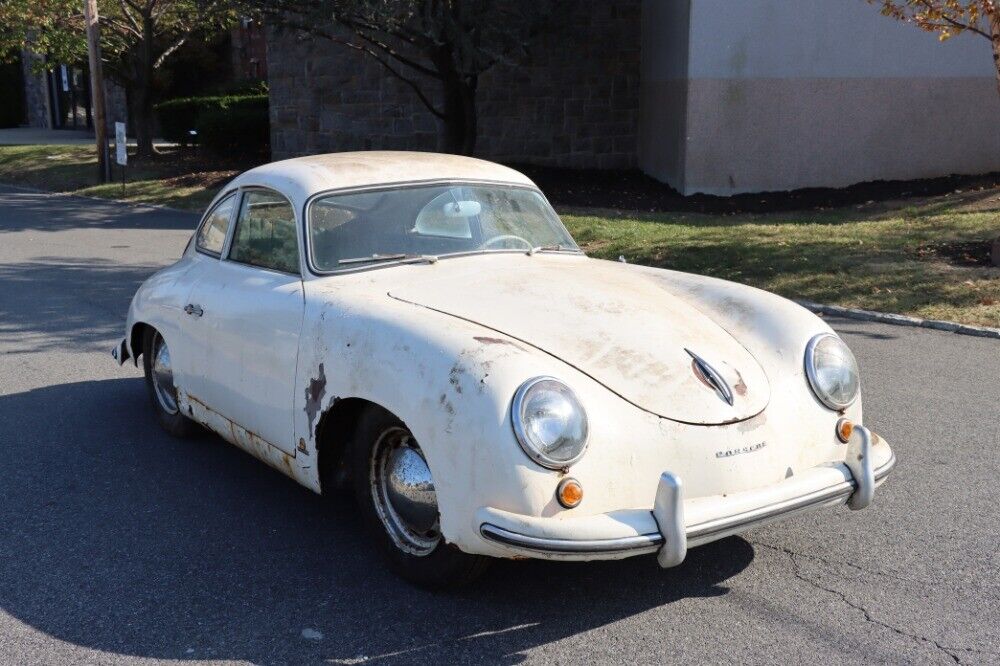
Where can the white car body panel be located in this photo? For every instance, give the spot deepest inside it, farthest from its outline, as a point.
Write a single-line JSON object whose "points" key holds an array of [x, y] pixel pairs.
{"points": [[444, 346]]}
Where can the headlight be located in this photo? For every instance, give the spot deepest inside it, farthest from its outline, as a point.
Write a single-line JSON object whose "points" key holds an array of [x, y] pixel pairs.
{"points": [[549, 422], [832, 371]]}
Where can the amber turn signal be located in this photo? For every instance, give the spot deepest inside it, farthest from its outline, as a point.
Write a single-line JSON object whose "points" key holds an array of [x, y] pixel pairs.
{"points": [[844, 430], [569, 493]]}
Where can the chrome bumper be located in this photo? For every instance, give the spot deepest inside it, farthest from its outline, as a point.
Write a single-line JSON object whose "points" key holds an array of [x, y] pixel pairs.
{"points": [[672, 534], [120, 352]]}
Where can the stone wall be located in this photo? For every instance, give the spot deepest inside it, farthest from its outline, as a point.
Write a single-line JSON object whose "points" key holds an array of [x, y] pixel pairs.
{"points": [[36, 94], [574, 102]]}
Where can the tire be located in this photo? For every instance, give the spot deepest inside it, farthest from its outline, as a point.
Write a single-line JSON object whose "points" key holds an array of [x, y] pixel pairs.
{"points": [[419, 556], [171, 420]]}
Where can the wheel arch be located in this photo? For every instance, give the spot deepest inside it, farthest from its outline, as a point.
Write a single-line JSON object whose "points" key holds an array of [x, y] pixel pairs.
{"points": [[136, 337], [334, 435]]}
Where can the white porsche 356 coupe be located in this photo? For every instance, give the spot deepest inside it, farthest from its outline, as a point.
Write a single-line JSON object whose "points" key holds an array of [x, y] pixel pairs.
{"points": [[423, 328]]}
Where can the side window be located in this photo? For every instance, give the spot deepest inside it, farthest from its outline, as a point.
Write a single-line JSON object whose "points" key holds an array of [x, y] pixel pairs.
{"points": [[265, 233], [212, 234]]}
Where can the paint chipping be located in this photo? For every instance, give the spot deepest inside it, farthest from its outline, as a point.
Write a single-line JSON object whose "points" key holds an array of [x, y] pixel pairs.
{"points": [[455, 377], [486, 340], [314, 395]]}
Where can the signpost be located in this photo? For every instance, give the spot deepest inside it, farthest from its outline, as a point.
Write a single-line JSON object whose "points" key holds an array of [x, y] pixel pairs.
{"points": [[121, 150]]}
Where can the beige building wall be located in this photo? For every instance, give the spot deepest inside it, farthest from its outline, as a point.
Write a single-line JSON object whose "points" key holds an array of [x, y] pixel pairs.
{"points": [[764, 95]]}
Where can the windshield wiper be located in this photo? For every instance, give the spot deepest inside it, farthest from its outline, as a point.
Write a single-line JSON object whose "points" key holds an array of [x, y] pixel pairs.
{"points": [[557, 247], [402, 258]]}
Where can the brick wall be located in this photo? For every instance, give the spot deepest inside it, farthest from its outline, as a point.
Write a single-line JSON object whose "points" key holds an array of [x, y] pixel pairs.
{"points": [[574, 102]]}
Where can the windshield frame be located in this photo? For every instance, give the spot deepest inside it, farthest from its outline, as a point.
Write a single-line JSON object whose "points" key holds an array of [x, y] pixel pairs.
{"points": [[409, 185]]}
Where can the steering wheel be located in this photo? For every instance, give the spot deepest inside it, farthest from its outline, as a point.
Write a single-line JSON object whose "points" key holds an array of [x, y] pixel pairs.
{"points": [[507, 237]]}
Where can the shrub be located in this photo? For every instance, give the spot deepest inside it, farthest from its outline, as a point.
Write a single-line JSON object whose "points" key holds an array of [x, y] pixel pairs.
{"points": [[179, 116], [237, 130]]}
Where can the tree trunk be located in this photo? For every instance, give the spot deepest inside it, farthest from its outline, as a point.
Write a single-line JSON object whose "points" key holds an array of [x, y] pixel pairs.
{"points": [[141, 99], [994, 19], [460, 119], [140, 103]]}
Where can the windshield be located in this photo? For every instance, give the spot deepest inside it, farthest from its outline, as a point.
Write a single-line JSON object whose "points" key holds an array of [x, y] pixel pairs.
{"points": [[351, 230]]}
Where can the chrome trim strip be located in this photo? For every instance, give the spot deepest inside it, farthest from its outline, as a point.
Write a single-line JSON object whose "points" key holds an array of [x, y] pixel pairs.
{"points": [[639, 542], [649, 542]]}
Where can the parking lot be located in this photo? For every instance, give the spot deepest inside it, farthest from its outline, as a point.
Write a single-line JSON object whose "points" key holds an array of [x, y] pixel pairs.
{"points": [[119, 544]]}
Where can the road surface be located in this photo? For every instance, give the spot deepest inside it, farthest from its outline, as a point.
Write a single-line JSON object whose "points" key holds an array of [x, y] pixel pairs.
{"points": [[119, 544]]}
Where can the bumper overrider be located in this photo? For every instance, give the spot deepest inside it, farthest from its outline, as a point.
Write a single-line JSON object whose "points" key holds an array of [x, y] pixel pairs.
{"points": [[674, 524]]}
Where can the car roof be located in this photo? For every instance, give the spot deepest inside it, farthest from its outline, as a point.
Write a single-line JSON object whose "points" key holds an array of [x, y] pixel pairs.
{"points": [[302, 177]]}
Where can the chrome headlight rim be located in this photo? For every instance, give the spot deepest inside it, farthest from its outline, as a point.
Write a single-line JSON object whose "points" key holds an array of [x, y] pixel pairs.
{"points": [[814, 382], [520, 433]]}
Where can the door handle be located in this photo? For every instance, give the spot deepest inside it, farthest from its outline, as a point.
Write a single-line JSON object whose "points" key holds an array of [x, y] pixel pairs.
{"points": [[192, 309]]}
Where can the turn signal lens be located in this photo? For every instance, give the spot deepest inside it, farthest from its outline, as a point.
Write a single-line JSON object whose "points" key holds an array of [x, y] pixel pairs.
{"points": [[569, 493], [844, 429]]}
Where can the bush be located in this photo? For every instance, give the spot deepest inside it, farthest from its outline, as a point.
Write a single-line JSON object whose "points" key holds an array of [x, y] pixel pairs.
{"points": [[238, 130], [216, 119]]}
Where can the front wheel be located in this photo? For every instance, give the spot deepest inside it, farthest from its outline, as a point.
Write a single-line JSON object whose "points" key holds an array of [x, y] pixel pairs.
{"points": [[398, 502], [159, 369]]}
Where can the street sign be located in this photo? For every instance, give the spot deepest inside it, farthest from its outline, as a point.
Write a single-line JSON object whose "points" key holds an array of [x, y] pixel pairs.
{"points": [[121, 155], [65, 78]]}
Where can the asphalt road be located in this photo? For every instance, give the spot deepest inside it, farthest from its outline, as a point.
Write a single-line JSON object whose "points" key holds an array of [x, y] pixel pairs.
{"points": [[119, 544]]}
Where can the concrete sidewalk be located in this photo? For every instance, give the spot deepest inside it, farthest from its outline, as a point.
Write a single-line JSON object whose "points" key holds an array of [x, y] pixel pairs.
{"points": [[36, 136]]}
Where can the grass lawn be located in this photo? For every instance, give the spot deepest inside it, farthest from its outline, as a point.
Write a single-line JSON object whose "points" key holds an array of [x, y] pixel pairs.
{"points": [[924, 257], [176, 179]]}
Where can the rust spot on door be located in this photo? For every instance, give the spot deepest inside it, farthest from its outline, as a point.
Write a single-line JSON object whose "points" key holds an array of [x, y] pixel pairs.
{"points": [[314, 395]]}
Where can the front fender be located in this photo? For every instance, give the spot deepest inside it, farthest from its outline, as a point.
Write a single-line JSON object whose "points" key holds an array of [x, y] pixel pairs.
{"points": [[450, 381]]}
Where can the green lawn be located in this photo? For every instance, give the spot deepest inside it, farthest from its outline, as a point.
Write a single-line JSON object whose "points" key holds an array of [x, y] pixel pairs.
{"points": [[908, 257], [891, 258], [172, 179]]}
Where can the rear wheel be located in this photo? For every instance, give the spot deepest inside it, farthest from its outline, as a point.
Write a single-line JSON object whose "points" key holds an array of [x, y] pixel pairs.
{"points": [[158, 367], [398, 502]]}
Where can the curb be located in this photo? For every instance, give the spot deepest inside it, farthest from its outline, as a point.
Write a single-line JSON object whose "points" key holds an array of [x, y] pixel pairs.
{"points": [[119, 202], [901, 320]]}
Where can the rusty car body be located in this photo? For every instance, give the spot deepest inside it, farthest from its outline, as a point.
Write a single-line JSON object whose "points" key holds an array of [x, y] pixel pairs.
{"points": [[422, 327]]}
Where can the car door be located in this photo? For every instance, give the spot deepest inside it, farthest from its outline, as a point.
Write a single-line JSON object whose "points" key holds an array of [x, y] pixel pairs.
{"points": [[246, 313], [187, 344]]}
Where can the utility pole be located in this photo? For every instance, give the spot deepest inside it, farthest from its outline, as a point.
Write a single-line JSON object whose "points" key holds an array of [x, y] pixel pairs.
{"points": [[97, 87]]}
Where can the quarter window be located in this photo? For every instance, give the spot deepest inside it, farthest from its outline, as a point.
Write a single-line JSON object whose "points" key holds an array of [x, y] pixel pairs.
{"points": [[212, 234], [265, 233]]}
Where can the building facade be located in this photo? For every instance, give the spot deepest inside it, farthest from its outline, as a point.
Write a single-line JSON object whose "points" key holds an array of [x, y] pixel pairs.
{"points": [[573, 103], [763, 95], [711, 96]]}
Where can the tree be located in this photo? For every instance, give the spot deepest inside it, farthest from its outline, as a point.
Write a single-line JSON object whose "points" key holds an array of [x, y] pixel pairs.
{"points": [[948, 18], [137, 36], [448, 44]]}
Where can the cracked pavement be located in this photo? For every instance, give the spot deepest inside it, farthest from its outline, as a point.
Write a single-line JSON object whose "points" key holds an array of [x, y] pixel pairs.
{"points": [[121, 545]]}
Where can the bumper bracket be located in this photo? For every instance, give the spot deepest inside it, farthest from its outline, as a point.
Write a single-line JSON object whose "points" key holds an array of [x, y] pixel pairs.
{"points": [[668, 511]]}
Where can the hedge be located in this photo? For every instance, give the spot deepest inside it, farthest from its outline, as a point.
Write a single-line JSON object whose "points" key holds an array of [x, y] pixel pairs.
{"points": [[224, 123]]}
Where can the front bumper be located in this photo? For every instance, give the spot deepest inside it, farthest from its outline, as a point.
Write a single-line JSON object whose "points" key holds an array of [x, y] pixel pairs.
{"points": [[675, 524]]}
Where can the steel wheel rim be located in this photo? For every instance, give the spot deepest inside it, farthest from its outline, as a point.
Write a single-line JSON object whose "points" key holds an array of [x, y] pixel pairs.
{"points": [[163, 375], [384, 470]]}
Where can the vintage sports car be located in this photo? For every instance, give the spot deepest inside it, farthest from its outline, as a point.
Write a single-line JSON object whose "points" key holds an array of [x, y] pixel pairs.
{"points": [[423, 328]]}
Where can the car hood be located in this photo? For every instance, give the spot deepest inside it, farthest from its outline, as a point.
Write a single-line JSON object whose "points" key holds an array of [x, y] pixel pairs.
{"points": [[611, 323]]}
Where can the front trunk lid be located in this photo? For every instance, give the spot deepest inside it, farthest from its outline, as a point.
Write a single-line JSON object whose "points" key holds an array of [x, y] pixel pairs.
{"points": [[618, 327]]}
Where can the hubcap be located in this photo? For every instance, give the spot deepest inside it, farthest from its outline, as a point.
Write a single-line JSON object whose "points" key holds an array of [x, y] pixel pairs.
{"points": [[403, 491], [163, 376]]}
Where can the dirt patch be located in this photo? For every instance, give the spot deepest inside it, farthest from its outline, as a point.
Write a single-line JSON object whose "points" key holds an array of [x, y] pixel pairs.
{"points": [[635, 191], [957, 253]]}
